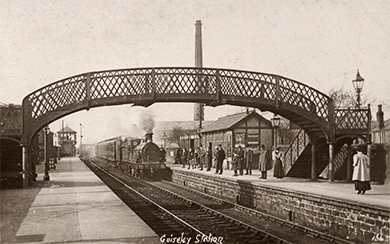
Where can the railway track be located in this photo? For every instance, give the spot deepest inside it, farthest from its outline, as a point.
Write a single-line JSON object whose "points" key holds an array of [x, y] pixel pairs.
{"points": [[189, 219], [185, 213], [157, 217], [263, 219]]}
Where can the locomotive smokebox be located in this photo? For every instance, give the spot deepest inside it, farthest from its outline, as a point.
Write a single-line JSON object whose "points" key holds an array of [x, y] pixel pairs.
{"points": [[149, 137]]}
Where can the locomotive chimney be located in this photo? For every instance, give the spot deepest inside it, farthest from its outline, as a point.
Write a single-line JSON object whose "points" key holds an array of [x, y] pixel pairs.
{"points": [[379, 117], [149, 137]]}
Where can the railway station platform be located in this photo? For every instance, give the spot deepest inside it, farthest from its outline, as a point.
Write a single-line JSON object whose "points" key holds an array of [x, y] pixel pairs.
{"points": [[75, 206], [378, 196], [330, 207]]}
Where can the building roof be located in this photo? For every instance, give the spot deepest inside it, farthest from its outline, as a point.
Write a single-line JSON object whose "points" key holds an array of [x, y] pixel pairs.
{"points": [[66, 130], [184, 125], [227, 122], [375, 126]]}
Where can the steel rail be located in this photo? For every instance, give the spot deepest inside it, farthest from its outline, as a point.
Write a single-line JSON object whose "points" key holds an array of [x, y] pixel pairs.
{"points": [[148, 200], [254, 229]]}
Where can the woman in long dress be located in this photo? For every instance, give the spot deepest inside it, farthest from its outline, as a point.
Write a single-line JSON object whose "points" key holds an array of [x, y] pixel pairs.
{"points": [[278, 165], [361, 171]]}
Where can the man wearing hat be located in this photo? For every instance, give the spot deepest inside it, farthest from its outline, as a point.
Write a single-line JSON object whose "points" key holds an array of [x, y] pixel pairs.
{"points": [[248, 157], [220, 157], [265, 162], [240, 160]]}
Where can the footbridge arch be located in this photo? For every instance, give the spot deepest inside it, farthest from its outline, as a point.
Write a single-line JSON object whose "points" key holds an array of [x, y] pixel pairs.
{"points": [[302, 104]]}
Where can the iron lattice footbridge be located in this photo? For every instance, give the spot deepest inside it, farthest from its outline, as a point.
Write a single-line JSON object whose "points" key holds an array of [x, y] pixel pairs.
{"points": [[305, 106]]}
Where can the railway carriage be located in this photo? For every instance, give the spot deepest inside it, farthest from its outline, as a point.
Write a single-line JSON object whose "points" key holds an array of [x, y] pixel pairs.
{"points": [[135, 156]]}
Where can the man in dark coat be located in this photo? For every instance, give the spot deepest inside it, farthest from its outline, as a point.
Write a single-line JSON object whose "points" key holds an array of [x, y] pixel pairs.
{"points": [[209, 158], [248, 157], [178, 155], [184, 157], [235, 162], [220, 157], [197, 157], [190, 158], [240, 160], [202, 157]]}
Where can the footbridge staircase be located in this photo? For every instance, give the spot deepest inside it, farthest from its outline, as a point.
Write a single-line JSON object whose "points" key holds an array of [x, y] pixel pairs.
{"points": [[298, 156]]}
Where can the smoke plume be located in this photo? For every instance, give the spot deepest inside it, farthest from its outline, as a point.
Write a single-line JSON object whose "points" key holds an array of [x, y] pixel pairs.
{"points": [[146, 122]]}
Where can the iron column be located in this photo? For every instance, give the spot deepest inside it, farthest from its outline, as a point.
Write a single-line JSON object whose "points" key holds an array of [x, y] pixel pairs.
{"points": [[46, 130], [313, 161]]}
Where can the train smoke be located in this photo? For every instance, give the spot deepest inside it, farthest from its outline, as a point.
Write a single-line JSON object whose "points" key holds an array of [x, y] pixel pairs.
{"points": [[146, 122]]}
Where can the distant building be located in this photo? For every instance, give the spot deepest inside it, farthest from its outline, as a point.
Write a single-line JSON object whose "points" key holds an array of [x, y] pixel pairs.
{"points": [[380, 161], [67, 141], [380, 129]]}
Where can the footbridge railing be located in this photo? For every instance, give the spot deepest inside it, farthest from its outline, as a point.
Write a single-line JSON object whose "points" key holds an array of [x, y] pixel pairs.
{"points": [[353, 121], [144, 86]]}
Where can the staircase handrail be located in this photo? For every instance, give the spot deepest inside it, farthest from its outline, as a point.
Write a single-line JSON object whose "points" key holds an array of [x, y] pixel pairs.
{"points": [[339, 160], [289, 161]]}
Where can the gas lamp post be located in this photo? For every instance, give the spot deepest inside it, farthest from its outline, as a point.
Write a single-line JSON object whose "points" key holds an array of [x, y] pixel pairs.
{"points": [[55, 148], [165, 140], [358, 85], [275, 124]]}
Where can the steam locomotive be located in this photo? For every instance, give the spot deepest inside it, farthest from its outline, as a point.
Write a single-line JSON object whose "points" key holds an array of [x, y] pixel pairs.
{"points": [[139, 157]]}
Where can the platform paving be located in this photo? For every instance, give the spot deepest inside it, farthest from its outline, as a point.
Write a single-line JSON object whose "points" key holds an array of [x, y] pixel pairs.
{"points": [[75, 206], [378, 196]]}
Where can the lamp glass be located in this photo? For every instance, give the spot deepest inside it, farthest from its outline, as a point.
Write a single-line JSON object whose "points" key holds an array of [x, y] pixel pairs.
{"points": [[275, 121], [358, 82]]}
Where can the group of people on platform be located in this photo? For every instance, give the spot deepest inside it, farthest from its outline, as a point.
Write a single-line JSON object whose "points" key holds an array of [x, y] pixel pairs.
{"points": [[201, 158], [242, 160]]}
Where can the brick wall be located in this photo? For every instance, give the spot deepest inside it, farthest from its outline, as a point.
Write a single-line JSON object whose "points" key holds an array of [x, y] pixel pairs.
{"points": [[342, 219]]}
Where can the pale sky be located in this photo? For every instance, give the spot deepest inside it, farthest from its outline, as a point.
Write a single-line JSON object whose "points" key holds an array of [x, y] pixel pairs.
{"points": [[319, 43]]}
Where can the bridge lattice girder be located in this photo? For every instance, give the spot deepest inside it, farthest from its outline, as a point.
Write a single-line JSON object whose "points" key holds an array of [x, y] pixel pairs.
{"points": [[304, 105]]}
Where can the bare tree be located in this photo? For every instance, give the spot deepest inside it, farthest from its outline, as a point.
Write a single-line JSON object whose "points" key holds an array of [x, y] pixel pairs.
{"points": [[175, 134], [286, 135], [345, 99]]}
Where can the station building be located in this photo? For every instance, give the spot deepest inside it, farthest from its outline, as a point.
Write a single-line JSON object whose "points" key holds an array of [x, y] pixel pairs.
{"points": [[247, 129]]}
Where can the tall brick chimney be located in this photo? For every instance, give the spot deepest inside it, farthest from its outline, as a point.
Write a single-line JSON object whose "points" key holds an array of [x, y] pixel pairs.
{"points": [[379, 117], [198, 44], [198, 107]]}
